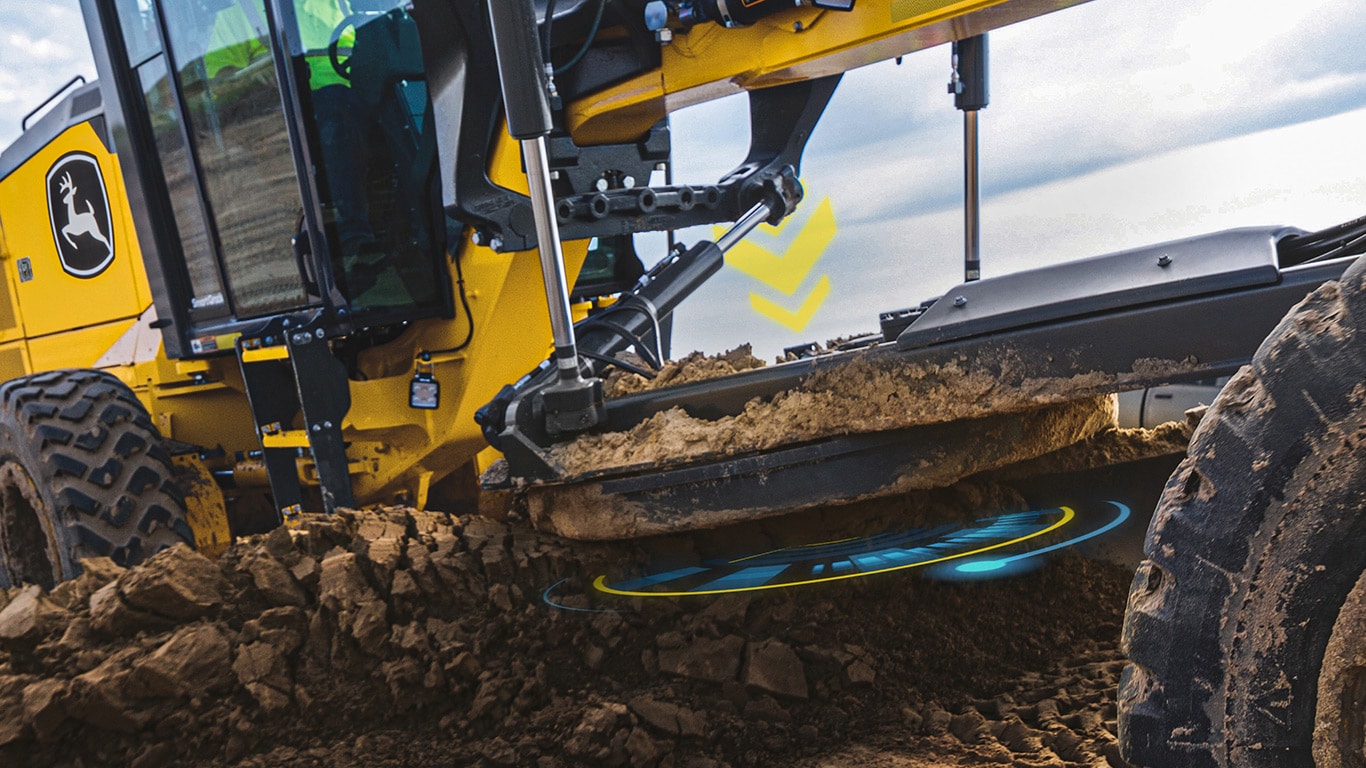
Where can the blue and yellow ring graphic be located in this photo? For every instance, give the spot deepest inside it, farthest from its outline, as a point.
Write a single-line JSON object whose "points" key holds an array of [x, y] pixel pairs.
{"points": [[844, 558]]}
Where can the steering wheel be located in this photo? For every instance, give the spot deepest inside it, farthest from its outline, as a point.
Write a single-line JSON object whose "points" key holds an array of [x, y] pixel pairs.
{"points": [[353, 21]]}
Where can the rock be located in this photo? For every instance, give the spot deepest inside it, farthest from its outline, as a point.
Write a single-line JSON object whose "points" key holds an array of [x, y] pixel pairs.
{"points": [[95, 573], [177, 583], [342, 585], [774, 667], [384, 554], [98, 696], [404, 586], [500, 597], [262, 670], [465, 666], [274, 581], [597, 726], [497, 564], [370, 626], [306, 571], [667, 717], [110, 615], [936, 720], [29, 618], [728, 610], [45, 706], [196, 659], [644, 750], [402, 676], [261, 663], [969, 727], [859, 673], [713, 660], [279, 543], [768, 709]]}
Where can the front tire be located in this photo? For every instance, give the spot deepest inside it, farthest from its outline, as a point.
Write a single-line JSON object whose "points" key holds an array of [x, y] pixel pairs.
{"points": [[82, 473], [1257, 542]]}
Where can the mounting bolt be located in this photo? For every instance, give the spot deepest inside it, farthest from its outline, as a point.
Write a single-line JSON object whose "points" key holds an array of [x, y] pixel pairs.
{"points": [[797, 26], [664, 36], [317, 428], [327, 425], [496, 243], [960, 301], [1164, 260], [478, 238], [555, 175], [318, 333], [628, 182]]}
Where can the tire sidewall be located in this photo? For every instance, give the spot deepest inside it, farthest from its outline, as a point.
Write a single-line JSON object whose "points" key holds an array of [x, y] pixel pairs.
{"points": [[17, 448]]}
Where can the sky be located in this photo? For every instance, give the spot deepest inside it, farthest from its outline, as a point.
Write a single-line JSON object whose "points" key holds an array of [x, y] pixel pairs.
{"points": [[1113, 124]]}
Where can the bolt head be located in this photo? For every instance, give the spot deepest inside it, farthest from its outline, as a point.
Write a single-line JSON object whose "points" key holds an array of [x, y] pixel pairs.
{"points": [[960, 301], [1164, 260]]}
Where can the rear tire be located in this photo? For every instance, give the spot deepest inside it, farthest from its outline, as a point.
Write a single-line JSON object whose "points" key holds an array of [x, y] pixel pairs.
{"points": [[82, 473], [1257, 543]]}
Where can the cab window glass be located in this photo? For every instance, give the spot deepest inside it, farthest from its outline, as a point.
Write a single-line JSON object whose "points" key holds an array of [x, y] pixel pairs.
{"points": [[228, 84], [366, 93], [141, 38], [177, 167]]}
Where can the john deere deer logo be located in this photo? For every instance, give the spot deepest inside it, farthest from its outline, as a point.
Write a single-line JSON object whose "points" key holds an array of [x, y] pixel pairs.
{"points": [[78, 207]]}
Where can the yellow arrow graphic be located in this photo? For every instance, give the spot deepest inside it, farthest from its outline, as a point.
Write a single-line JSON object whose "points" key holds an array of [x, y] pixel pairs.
{"points": [[786, 272], [794, 320]]}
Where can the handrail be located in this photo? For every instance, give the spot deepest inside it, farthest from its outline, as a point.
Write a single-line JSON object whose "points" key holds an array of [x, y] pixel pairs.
{"points": [[23, 124]]}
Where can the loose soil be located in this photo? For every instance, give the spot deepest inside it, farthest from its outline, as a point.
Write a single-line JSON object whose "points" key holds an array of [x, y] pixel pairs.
{"points": [[685, 370], [852, 394], [407, 638]]}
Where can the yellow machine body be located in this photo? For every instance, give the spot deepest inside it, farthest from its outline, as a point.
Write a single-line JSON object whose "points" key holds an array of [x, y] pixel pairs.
{"points": [[52, 320]]}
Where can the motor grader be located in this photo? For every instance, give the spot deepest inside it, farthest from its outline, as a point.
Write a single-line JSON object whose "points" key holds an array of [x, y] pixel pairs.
{"points": [[288, 256]]}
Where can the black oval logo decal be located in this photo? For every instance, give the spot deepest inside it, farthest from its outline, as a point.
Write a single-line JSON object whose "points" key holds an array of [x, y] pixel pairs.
{"points": [[78, 207]]}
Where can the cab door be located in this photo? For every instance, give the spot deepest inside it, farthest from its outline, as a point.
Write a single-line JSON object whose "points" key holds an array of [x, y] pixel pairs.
{"points": [[205, 74]]}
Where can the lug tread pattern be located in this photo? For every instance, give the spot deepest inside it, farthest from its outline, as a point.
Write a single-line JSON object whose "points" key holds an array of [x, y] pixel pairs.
{"points": [[1214, 543], [110, 477]]}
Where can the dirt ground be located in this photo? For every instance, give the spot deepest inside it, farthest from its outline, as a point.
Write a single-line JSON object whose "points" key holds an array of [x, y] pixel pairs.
{"points": [[406, 638]]}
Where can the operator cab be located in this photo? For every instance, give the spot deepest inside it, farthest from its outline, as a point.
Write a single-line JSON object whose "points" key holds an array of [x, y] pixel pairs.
{"points": [[286, 156]]}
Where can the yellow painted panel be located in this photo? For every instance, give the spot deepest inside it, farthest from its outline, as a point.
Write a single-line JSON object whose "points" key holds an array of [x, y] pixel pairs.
{"points": [[57, 298], [13, 361], [75, 349]]}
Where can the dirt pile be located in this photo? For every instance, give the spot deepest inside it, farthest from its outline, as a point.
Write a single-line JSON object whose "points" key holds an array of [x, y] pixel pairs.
{"points": [[417, 638], [685, 370], [857, 393]]}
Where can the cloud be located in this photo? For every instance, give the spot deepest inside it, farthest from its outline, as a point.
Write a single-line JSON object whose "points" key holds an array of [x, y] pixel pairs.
{"points": [[1076, 91], [42, 45], [1305, 175]]}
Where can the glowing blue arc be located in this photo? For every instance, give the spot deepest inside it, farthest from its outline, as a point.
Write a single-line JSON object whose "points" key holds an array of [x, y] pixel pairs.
{"points": [[982, 566]]}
